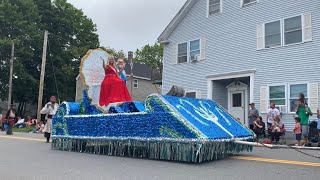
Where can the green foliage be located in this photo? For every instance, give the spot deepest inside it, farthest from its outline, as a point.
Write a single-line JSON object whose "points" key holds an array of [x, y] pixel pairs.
{"points": [[116, 54], [71, 34], [151, 55], [25, 130]]}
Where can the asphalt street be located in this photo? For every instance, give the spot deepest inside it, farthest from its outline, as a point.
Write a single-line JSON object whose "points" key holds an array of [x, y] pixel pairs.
{"points": [[27, 156]]}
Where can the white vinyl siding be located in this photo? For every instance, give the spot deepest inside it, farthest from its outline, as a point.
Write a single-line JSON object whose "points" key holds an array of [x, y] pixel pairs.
{"points": [[225, 55], [283, 32], [214, 6]]}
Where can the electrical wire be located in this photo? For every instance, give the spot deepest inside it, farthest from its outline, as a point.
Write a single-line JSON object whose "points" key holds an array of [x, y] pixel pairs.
{"points": [[53, 70]]}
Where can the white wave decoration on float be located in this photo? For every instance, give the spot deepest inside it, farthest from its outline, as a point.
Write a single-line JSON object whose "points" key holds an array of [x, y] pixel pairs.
{"points": [[92, 72]]}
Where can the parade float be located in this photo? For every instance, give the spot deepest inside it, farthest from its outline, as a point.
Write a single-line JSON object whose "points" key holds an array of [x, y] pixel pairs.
{"points": [[162, 127]]}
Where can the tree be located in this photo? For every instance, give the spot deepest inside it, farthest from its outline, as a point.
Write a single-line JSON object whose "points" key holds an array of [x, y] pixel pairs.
{"points": [[71, 34], [116, 54], [150, 55]]}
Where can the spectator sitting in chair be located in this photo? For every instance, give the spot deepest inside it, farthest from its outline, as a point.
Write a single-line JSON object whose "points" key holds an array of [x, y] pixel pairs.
{"points": [[259, 127], [276, 130]]}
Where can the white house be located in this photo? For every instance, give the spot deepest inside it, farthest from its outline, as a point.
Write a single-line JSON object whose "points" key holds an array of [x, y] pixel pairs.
{"points": [[240, 51]]}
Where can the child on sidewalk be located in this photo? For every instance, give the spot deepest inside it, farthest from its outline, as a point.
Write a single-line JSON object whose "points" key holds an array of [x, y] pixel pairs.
{"points": [[297, 130]]}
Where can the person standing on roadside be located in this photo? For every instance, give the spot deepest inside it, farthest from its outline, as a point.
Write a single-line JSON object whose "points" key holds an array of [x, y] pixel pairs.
{"points": [[50, 110], [272, 113], [303, 112], [11, 118], [253, 115]]}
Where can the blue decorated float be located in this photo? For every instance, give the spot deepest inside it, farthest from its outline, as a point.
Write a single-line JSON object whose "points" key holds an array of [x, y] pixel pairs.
{"points": [[162, 127]]}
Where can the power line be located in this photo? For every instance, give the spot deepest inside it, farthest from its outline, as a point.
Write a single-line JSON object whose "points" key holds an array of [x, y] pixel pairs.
{"points": [[54, 72]]}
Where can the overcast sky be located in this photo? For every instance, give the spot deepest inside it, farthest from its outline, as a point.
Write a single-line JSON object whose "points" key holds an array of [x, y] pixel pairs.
{"points": [[129, 24]]}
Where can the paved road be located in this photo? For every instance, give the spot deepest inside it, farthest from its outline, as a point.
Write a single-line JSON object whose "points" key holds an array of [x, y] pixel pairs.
{"points": [[27, 156]]}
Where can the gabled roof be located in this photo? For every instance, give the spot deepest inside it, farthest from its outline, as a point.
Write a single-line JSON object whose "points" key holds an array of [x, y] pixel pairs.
{"points": [[176, 20], [142, 71]]}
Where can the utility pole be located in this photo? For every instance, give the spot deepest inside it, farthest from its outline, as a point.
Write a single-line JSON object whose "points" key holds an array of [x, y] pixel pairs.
{"points": [[43, 69], [130, 58], [10, 76]]}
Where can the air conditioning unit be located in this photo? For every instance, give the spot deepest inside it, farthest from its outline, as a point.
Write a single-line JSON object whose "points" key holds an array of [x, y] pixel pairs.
{"points": [[194, 58], [194, 94]]}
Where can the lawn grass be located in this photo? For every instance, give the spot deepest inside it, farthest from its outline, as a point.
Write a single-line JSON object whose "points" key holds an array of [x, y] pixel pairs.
{"points": [[26, 129]]}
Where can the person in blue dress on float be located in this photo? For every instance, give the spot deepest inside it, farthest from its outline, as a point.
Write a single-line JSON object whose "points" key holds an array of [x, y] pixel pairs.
{"points": [[122, 73]]}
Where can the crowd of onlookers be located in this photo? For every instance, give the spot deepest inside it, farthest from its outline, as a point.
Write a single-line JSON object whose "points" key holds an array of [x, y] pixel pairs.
{"points": [[12, 120], [274, 129], [20, 122]]}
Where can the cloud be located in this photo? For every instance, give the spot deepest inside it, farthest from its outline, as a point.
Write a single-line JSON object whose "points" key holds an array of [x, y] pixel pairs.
{"points": [[129, 24]]}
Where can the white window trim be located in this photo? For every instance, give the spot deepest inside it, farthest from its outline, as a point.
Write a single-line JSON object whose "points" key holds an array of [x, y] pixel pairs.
{"points": [[208, 9], [215, 77], [282, 32], [195, 50], [287, 95], [302, 31], [177, 60], [285, 99], [247, 4], [288, 100], [135, 83], [188, 50], [264, 34]]}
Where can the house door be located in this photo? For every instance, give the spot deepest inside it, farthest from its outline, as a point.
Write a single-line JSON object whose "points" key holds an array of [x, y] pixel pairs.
{"points": [[237, 105]]}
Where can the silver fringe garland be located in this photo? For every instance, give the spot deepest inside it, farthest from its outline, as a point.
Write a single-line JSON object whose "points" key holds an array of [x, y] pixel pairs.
{"points": [[170, 150]]}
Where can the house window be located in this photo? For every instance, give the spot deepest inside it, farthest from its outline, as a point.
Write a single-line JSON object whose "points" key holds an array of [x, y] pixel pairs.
{"points": [[293, 30], [286, 97], [189, 51], [247, 2], [294, 91], [194, 50], [272, 34], [135, 83], [182, 52], [277, 95], [214, 6], [191, 94], [237, 100]]}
